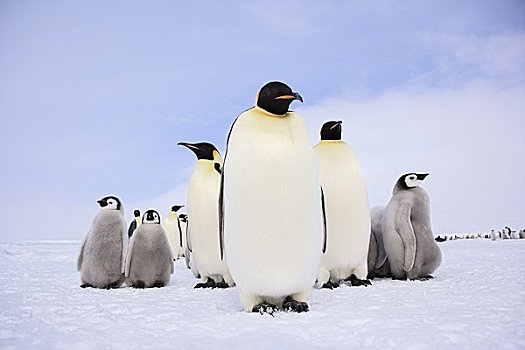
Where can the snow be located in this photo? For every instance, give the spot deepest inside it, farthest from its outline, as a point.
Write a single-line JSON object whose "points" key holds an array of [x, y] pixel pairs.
{"points": [[476, 300]]}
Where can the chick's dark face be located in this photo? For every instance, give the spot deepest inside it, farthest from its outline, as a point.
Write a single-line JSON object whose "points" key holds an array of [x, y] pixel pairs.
{"points": [[276, 97]]}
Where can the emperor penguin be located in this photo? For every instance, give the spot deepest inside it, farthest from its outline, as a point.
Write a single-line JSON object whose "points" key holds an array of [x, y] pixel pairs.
{"points": [[188, 256], [149, 262], [407, 234], [514, 234], [270, 205], [347, 211], [203, 227], [378, 265], [173, 227], [102, 255], [136, 221]]}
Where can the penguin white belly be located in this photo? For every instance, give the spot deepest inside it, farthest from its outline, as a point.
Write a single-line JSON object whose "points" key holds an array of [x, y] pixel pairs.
{"points": [[347, 207], [204, 225], [171, 226], [273, 229]]}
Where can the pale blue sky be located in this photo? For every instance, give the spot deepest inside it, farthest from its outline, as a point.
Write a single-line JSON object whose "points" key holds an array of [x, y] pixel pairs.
{"points": [[95, 95]]}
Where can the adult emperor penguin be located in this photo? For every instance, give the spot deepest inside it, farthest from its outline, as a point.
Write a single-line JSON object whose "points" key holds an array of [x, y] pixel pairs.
{"points": [[270, 205], [203, 227], [347, 211], [378, 265], [173, 227], [409, 242], [188, 256], [149, 262], [136, 221], [102, 255]]}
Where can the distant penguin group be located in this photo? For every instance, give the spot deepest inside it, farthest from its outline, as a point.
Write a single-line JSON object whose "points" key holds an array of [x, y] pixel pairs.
{"points": [[275, 218]]}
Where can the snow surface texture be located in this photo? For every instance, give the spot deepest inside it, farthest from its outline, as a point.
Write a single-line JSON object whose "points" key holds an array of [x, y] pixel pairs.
{"points": [[475, 301]]}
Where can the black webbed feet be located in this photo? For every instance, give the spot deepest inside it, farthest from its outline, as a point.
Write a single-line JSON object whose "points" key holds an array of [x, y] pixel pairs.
{"points": [[139, 284], [210, 283], [290, 304], [265, 308], [86, 285], [221, 285], [356, 282], [330, 285]]}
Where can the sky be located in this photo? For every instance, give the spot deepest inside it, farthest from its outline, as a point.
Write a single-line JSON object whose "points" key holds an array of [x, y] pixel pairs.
{"points": [[95, 95]]}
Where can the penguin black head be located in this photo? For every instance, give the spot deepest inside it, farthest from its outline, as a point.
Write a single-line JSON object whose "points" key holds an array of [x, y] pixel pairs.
{"points": [[203, 150], [276, 97], [332, 130], [151, 217], [183, 217], [176, 208], [411, 180], [136, 213], [110, 203]]}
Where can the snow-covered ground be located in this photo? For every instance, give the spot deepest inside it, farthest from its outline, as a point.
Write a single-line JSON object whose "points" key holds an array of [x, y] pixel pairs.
{"points": [[475, 301]]}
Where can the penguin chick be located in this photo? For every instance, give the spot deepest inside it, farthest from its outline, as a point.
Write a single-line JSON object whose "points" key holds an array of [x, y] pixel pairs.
{"points": [[409, 242], [149, 262], [203, 227], [102, 255], [347, 210], [172, 226], [270, 205]]}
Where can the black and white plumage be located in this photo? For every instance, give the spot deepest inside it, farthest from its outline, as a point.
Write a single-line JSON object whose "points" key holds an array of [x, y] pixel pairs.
{"points": [[102, 255], [149, 262], [271, 208], [347, 210]]}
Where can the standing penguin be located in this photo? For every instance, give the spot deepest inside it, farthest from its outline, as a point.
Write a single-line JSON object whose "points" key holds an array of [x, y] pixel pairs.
{"points": [[102, 255], [378, 265], [149, 262], [203, 227], [409, 242], [347, 211], [270, 205], [172, 226], [136, 221], [188, 256]]}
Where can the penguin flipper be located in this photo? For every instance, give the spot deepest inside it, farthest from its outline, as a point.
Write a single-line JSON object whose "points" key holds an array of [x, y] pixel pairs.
{"points": [[221, 192], [125, 246], [81, 254], [325, 231], [132, 228], [406, 232], [180, 232], [188, 236], [381, 254]]}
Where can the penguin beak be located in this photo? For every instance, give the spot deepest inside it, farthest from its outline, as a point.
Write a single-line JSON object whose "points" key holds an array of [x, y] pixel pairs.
{"points": [[189, 145], [422, 176], [293, 96], [102, 203], [336, 124]]}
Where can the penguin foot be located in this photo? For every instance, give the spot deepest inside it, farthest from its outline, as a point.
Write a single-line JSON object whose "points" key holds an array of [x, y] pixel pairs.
{"points": [[86, 285], [265, 308], [371, 276], [221, 285], [330, 285], [209, 284], [424, 278], [113, 286], [290, 304], [158, 284], [139, 284], [356, 282]]}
